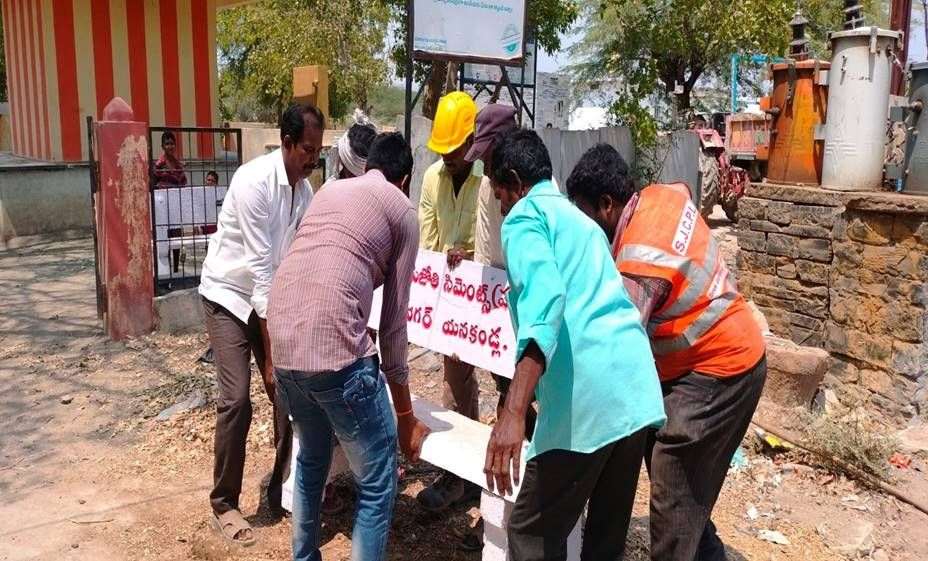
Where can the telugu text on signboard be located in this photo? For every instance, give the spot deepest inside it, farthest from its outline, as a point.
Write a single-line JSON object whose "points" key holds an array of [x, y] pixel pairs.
{"points": [[462, 312]]}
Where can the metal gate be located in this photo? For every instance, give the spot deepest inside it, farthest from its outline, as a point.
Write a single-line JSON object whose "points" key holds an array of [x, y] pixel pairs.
{"points": [[94, 167], [188, 185]]}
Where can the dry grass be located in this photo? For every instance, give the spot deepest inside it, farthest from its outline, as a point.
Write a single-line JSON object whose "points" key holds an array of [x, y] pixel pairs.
{"points": [[853, 441]]}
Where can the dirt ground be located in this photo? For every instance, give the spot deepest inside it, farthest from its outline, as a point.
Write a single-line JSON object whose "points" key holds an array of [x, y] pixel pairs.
{"points": [[87, 473]]}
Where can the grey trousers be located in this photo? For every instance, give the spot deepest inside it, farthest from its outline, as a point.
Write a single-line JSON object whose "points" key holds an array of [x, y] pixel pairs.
{"points": [[688, 459], [233, 343], [461, 390]]}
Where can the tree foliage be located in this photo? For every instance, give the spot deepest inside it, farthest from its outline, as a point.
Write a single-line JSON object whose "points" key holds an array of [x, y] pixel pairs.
{"points": [[647, 49], [387, 104], [547, 19], [260, 44]]}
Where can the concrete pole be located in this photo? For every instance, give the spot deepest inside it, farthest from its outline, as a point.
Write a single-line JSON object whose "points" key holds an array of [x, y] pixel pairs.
{"points": [[124, 225]]}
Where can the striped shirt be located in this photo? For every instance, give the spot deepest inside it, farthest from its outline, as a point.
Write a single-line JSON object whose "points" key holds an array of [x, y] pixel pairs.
{"points": [[353, 239]]}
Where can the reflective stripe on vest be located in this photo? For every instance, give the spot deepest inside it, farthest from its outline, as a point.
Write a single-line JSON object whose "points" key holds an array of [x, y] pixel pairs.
{"points": [[695, 330], [698, 277], [654, 256], [697, 284]]}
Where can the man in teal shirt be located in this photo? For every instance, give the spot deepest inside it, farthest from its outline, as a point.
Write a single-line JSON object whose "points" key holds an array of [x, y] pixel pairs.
{"points": [[582, 352]]}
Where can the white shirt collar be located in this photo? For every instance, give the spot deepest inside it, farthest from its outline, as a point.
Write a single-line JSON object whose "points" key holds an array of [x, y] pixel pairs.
{"points": [[282, 179]]}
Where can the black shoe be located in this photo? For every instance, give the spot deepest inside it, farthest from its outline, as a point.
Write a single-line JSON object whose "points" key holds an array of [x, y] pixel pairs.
{"points": [[447, 491], [472, 540], [207, 357]]}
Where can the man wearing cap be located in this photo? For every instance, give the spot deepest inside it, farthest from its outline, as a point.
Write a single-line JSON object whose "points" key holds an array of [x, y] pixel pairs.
{"points": [[493, 122], [447, 216]]}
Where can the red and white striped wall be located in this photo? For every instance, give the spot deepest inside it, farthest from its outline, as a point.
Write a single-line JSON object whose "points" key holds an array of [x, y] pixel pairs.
{"points": [[67, 59]]}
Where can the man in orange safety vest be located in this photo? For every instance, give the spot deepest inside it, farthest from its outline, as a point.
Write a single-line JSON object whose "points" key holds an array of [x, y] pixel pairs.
{"points": [[709, 350]]}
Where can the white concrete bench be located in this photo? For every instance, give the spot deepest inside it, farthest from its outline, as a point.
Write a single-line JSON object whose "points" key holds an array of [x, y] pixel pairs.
{"points": [[458, 444]]}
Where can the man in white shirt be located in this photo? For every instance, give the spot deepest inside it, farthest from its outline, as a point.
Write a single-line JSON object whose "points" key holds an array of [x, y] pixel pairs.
{"points": [[260, 214]]}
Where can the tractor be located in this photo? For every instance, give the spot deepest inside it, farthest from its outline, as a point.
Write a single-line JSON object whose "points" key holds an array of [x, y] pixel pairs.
{"points": [[722, 182]]}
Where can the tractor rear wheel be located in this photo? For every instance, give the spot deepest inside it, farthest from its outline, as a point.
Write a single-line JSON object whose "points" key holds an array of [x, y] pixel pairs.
{"points": [[711, 183], [730, 206]]}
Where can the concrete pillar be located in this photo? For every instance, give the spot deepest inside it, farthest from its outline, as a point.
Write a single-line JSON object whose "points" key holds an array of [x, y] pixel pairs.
{"points": [[496, 511], [124, 222]]}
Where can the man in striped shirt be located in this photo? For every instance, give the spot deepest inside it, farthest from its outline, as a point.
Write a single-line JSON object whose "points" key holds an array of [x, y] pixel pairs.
{"points": [[359, 234]]}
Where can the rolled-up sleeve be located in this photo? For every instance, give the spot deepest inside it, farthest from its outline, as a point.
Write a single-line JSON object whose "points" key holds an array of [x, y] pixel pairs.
{"points": [[646, 293], [393, 334], [254, 221], [536, 282]]}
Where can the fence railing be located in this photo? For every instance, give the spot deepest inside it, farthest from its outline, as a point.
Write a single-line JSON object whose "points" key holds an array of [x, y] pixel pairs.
{"points": [[188, 182]]}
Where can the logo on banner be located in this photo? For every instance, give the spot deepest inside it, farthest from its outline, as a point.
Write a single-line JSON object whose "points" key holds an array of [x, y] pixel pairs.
{"points": [[511, 39]]}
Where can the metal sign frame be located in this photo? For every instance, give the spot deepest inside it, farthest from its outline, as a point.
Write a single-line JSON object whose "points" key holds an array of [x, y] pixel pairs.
{"points": [[516, 90], [518, 97]]}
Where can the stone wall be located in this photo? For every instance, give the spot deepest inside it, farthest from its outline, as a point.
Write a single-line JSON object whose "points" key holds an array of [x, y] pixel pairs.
{"points": [[846, 273]]}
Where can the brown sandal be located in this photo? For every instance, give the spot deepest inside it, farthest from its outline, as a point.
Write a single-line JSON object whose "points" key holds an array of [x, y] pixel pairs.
{"points": [[232, 526]]}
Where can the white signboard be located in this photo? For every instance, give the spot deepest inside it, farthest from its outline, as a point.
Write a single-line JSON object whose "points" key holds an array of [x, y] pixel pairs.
{"points": [[180, 215], [186, 206], [478, 29], [463, 312]]}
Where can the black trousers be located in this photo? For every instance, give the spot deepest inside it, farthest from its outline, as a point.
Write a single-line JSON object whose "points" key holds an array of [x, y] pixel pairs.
{"points": [[556, 487], [688, 459], [233, 344]]}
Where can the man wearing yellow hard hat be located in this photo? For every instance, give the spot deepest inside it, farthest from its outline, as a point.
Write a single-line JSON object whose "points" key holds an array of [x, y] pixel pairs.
{"points": [[447, 222]]}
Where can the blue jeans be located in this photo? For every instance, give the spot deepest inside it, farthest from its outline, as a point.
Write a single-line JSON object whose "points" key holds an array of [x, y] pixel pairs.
{"points": [[352, 406]]}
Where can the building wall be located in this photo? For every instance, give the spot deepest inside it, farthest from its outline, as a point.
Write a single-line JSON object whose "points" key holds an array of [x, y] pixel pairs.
{"points": [[551, 106], [43, 200], [4, 127], [67, 59], [847, 273]]}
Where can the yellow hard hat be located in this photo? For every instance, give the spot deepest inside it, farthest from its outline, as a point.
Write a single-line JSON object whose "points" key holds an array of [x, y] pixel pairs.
{"points": [[454, 122]]}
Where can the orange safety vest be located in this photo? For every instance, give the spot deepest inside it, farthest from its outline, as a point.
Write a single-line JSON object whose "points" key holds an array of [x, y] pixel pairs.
{"points": [[705, 325]]}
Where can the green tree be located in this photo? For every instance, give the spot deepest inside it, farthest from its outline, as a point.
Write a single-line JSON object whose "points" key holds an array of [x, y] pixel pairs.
{"points": [[546, 18], [387, 104], [648, 49], [260, 44]]}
